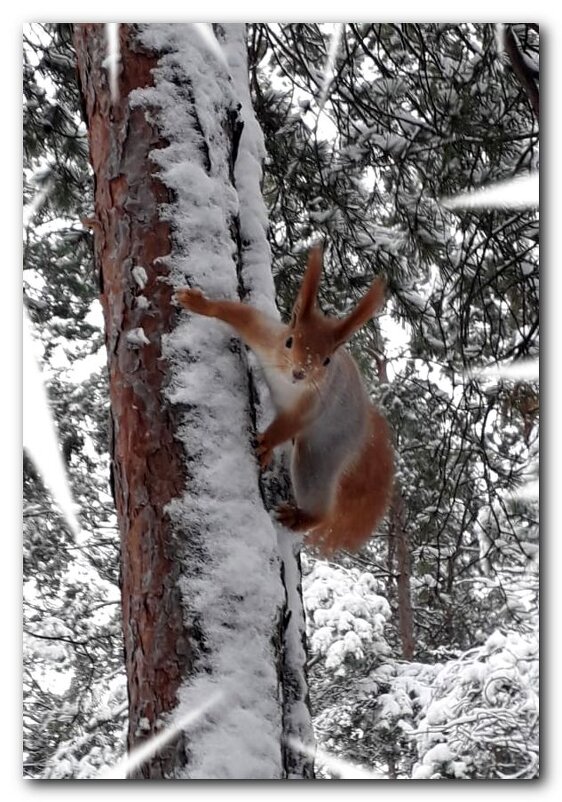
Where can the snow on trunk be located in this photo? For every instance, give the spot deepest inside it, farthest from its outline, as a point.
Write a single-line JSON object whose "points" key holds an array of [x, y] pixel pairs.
{"points": [[257, 287], [218, 565]]}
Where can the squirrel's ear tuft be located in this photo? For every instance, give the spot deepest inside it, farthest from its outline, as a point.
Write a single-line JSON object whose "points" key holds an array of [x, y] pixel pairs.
{"points": [[306, 299], [364, 311]]}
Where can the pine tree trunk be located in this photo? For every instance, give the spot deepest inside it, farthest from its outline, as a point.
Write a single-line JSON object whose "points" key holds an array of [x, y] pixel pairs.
{"points": [[147, 469], [167, 558], [399, 554], [399, 534]]}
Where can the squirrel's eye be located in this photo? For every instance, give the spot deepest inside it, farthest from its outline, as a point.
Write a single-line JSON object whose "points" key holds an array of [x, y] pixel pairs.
{"points": [[289, 342], [326, 361]]}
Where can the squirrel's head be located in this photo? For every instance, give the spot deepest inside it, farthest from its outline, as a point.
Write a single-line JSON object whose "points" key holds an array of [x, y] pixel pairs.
{"points": [[313, 338]]}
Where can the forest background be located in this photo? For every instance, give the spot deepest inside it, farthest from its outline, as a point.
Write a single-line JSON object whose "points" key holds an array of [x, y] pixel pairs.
{"points": [[409, 306]]}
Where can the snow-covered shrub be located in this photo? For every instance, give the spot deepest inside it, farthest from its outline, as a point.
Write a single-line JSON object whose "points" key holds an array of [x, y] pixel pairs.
{"points": [[472, 717], [101, 740], [370, 719], [482, 720], [345, 615]]}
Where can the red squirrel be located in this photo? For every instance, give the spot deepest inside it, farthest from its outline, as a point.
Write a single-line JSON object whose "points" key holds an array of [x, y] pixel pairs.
{"points": [[342, 463]]}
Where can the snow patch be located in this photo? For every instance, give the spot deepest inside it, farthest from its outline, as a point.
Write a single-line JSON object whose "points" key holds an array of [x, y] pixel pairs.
{"points": [[140, 276], [136, 338]]}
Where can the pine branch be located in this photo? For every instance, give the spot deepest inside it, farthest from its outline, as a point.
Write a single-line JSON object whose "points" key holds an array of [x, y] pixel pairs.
{"points": [[521, 69]]}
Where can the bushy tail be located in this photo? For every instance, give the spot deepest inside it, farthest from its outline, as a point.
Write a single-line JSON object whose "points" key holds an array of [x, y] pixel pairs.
{"points": [[362, 498]]}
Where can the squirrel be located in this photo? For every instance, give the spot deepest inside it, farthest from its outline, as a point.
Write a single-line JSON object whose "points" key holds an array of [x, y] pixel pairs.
{"points": [[342, 463]]}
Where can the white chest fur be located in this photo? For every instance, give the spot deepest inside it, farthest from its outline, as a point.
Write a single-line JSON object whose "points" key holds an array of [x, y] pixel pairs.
{"points": [[284, 391]]}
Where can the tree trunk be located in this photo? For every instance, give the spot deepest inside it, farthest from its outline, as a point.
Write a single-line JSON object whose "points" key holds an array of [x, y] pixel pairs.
{"points": [[399, 534], [208, 602], [399, 553]]}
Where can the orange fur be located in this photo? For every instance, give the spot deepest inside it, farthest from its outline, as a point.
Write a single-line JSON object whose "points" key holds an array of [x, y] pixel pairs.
{"points": [[362, 496], [342, 467]]}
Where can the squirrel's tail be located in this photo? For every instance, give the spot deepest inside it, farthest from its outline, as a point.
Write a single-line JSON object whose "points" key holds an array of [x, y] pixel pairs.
{"points": [[362, 497]]}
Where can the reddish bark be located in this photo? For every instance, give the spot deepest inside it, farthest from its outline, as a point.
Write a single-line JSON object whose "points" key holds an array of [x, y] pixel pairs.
{"points": [[147, 462]]}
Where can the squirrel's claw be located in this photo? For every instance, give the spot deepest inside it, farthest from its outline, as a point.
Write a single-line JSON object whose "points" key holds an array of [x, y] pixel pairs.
{"points": [[287, 514], [263, 451], [192, 299], [292, 517]]}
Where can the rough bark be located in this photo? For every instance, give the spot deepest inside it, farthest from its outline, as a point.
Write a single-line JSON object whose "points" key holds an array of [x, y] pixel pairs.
{"points": [[161, 649], [147, 467]]}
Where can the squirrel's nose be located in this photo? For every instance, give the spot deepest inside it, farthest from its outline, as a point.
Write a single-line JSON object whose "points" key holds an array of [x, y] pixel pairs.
{"points": [[298, 374]]}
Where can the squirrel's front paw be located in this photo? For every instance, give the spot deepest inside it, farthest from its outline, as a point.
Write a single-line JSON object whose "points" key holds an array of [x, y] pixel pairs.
{"points": [[263, 450], [194, 300], [294, 518]]}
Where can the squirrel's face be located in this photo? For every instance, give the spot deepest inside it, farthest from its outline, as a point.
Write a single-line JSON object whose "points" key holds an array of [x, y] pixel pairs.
{"points": [[308, 348], [311, 339]]}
